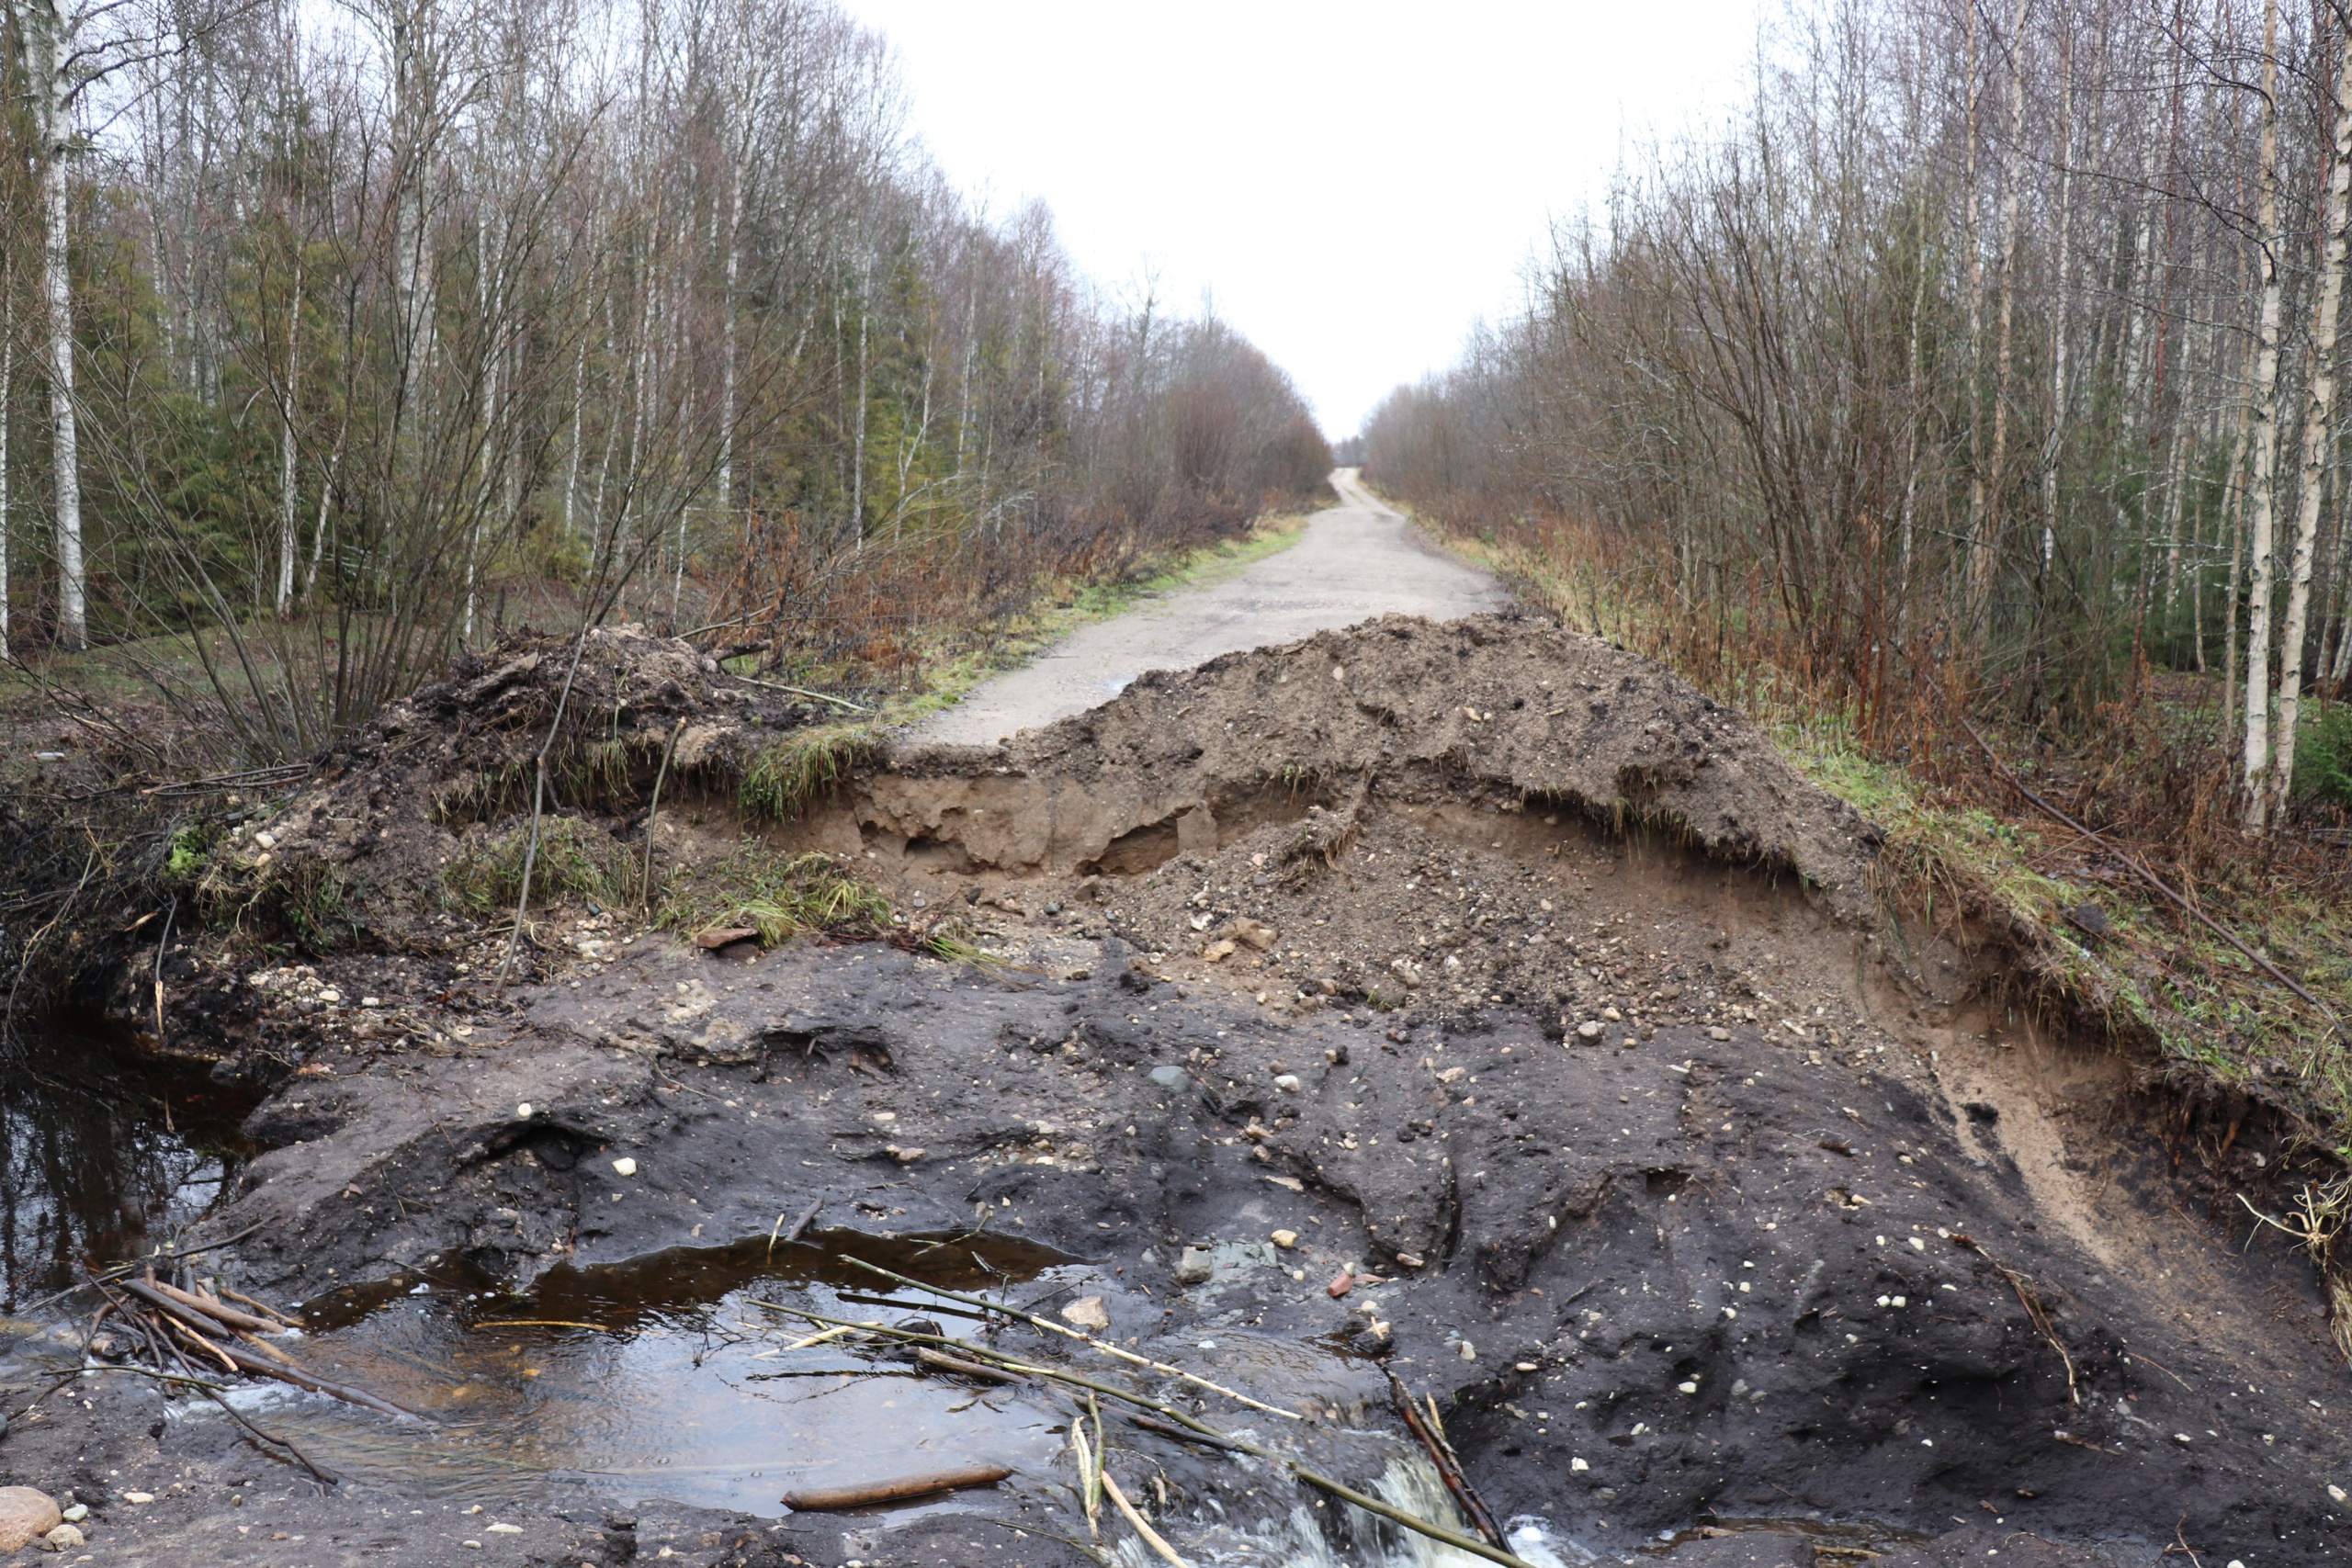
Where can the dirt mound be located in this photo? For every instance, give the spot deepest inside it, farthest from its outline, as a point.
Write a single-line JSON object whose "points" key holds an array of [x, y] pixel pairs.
{"points": [[1507, 711], [414, 828]]}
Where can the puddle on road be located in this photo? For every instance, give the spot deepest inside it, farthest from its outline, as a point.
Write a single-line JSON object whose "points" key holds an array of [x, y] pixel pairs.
{"points": [[660, 1378], [102, 1154]]}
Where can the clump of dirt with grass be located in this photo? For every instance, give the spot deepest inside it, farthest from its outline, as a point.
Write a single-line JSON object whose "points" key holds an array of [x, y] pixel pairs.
{"points": [[415, 834]]}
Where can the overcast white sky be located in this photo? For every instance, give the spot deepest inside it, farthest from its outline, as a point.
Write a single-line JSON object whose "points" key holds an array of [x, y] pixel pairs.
{"points": [[1355, 183]]}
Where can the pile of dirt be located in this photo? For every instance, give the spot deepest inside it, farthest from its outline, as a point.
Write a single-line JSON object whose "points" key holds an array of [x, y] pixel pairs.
{"points": [[413, 827]]}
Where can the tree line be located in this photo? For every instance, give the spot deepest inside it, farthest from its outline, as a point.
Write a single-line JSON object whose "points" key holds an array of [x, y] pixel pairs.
{"points": [[1990, 349], [332, 338]]}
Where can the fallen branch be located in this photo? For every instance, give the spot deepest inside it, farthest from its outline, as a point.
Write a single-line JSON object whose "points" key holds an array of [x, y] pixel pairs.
{"points": [[798, 692], [1441, 1456], [832, 1499], [961, 1367]]}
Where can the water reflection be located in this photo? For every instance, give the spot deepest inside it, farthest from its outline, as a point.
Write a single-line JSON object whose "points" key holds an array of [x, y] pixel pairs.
{"points": [[101, 1155], [663, 1377]]}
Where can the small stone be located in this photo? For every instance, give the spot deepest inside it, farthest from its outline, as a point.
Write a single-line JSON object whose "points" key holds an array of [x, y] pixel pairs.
{"points": [[1589, 1030], [1285, 1239], [623, 1167], [76, 1512], [523, 1112], [1525, 1366], [2337, 1492], [1257, 933], [65, 1537], [1469, 1351], [1088, 1313], [1373, 1340], [907, 1156], [506, 1529], [1612, 1015], [136, 1497], [25, 1515], [1687, 1387], [1194, 1267], [1286, 1082], [1409, 1259], [1578, 1466], [1171, 1077], [1344, 1281], [1217, 951], [1718, 1032]]}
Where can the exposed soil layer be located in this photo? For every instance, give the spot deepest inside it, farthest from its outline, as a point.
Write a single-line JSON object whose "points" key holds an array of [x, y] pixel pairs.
{"points": [[1521, 986]]}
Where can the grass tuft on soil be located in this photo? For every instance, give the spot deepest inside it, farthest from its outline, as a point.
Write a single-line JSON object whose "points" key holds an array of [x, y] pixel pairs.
{"points": [[576, 857], [780, 896]]}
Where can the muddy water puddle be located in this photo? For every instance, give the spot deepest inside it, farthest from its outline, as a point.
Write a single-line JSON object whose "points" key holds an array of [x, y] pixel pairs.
{"points": [[670, 1377], [102, 1155]]}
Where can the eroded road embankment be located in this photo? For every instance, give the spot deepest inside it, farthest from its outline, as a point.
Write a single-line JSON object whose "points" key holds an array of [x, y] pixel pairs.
{"points": [[1475, 1004]]}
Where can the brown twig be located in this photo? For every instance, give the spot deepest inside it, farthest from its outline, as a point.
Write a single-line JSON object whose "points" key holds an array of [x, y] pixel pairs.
{"points": [[1473, 1507]]}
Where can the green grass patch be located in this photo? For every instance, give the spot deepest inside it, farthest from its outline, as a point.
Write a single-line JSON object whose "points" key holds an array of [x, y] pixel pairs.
{"points": [[2323, 756], [575, 857], [780, 896], [803, 767]]}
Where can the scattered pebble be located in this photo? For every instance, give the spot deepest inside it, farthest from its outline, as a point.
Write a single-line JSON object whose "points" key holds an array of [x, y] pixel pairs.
{"points": [[1286, 1082], [138, 1497], [1718, 1032], [523, 1112], [64, 1537], [1469, 1351], [1195, 1267], [623, 1167], [1285, 1239], [1341, 1285], [1088, 1313], [1578, 1466]]}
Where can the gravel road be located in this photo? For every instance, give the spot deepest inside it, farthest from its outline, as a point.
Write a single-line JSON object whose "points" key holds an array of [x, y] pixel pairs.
{"points": [[1357, 561]]}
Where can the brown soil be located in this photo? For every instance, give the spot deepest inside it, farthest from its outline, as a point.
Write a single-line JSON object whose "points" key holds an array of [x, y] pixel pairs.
{"points": [[1508, 971]]}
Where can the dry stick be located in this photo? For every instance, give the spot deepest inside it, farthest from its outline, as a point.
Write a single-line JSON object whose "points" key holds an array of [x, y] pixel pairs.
{"points": [[961, 1367], [830, 1498], [645, 885], [1346, 1493], [2151, 878], [1143, 1526], [261, 1307], [218, 1311], [1067, 1332], [797, 692]]}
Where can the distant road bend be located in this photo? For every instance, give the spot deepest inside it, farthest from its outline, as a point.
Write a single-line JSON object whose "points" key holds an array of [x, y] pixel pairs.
{"points": [[1355, 561]]}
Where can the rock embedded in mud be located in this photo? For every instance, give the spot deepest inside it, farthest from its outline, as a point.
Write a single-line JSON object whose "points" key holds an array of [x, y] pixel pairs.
{"points": [[1088, 1313], [1194, 1267], [25, 1515], [1285, 1239], [623, 1167]]}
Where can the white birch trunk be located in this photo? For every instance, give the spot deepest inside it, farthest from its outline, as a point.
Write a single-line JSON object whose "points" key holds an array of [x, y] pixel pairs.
{"points": [[8, 379], [288, 546], [1988, 551], [2318, 428], [2256, 757], [50, 29]]}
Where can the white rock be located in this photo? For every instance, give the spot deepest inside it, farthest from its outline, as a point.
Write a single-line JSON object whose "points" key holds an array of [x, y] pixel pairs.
{"points": [[64, 1537], [1687, 1387], [523, 1112], [1589, 1030], [1718, 1032], [1285, 1239], [2337, 1492], [76, 1512], [1286, 1082], [1088, 1313], [1578, 1466], [139, 1497], [1469, 1351], [506, 1529], [623, 1167]]}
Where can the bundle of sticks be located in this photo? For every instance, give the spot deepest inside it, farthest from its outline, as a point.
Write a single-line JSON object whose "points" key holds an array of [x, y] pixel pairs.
{"points": [[186, 1335]]}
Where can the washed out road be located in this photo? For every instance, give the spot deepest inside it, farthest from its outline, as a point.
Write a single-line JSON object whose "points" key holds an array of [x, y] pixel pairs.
{"points": [[1357, 561]]}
